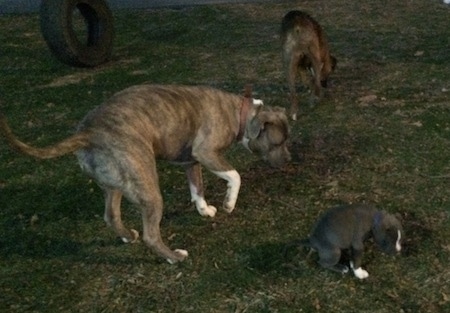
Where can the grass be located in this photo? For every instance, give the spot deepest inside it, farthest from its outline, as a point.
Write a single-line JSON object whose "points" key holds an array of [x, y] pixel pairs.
{"points": [[381, 137]]}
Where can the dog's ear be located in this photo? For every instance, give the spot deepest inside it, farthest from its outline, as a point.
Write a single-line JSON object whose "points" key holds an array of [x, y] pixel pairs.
{"points": [[255, 126], [271, 115]]}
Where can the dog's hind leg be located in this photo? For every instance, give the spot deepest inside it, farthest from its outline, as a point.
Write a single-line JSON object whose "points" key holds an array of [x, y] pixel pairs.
{"points": [[329, 258], [151, 217], [113, 218], [195, 180], [143, 191]]}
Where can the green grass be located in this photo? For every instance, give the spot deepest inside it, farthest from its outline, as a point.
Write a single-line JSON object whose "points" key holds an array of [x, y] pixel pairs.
{"points": [[57, 255]]}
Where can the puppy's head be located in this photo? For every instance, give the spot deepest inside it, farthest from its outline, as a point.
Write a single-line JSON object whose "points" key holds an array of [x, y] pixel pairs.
{"points": [[267, 133], [387, 232], [328, 67]]}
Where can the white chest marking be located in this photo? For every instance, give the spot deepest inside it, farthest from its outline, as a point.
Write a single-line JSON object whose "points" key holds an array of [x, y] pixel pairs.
{"points": [[398, 246], [258, 102]]}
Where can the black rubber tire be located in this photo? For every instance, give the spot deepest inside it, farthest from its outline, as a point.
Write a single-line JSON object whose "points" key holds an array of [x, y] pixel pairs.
{"points": [[58, 31]]}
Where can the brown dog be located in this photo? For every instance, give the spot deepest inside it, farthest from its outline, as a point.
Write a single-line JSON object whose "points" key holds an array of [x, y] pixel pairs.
{"points": [[305, 49], [118, 143]]}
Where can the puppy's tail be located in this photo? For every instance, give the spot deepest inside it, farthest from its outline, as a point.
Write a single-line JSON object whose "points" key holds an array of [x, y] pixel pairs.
{"points": [[68, 145], [301, 242]]}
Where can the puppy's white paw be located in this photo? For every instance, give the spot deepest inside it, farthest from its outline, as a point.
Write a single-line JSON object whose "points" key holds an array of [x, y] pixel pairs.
{"points": [[294, 116], [360, 273], [182, 254]]}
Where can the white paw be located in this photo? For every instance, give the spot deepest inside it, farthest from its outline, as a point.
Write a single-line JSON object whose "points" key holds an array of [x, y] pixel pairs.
{"points": [[181, 252], [234, 183], [135, 235], [360, 273], [202, 207], [294, 117], [229, 206], [208, 210]]}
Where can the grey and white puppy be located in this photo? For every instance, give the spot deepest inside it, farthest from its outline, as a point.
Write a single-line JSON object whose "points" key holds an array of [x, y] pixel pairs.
{"points": [[119, 142], [347, 227]]}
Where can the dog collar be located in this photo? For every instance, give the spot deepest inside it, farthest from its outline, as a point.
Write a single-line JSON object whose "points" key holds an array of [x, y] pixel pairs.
{"points": [[245, 107]]}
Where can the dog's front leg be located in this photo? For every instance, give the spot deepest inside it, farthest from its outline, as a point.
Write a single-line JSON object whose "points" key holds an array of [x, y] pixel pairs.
{"points": [[291, 69], [234, 184], [316, 88], [206, 154], [195, 180], [355, 263]]}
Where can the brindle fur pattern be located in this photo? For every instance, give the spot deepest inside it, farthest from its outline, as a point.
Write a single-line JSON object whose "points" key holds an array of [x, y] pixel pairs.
{"points": [[305, 51], [118, 143]]}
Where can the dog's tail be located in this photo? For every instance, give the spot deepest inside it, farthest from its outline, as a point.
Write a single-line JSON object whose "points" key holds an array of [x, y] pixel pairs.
{"points": [[300, 242], [68, 145]]}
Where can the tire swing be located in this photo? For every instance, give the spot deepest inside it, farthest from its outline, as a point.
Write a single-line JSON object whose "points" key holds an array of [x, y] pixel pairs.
{"points": [[68, 40]]}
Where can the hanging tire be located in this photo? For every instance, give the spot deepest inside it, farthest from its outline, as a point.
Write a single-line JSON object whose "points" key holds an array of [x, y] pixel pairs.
{"points": [[66, 43]]}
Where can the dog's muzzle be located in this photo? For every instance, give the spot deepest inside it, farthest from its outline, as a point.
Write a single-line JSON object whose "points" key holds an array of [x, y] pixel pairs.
{"points": [[278, 157]]}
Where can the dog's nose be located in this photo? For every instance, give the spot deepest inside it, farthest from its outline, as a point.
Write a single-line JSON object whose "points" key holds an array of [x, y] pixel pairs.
{"points": [[279, 162]]}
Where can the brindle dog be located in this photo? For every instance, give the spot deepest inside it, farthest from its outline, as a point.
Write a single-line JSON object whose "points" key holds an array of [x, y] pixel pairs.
{"points": [[118, 143], [305, 49]]}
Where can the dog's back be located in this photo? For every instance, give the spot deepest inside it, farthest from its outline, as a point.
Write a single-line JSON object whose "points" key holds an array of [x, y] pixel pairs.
{"points": [[298, 31], [341, 225]]}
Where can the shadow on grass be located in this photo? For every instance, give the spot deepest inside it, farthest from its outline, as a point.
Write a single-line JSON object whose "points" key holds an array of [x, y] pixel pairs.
{"points": [[31, 245], [280, 258]]}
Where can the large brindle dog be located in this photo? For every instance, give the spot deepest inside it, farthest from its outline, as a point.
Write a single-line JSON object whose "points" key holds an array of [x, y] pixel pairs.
{"points": [[118, 143], [305, 50]]}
